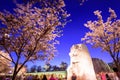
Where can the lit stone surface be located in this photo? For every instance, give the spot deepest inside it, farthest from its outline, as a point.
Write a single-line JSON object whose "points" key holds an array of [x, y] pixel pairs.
{"points": [[81, 63]]}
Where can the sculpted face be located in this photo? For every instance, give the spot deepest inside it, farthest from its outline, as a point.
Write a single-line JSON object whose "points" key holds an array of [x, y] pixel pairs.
{"points": [[74, 53]]}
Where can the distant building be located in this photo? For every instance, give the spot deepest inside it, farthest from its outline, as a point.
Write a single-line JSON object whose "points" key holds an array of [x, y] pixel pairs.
{"points": [[5, 62], [23, 70]]}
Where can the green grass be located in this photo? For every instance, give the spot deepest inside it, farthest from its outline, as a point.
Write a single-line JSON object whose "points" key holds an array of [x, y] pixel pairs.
{"points": [[57, 73]]}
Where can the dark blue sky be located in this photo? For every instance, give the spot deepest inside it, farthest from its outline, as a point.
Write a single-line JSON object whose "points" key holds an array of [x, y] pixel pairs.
{"points": [[75, 30]]}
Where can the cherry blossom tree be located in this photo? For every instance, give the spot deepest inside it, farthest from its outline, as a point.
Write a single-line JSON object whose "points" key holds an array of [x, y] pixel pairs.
{"points": [[82, 1], [105, 34], [29, 33], [5, 62]]}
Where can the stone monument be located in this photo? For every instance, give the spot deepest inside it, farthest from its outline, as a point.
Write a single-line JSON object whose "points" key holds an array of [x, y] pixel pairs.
{"points": [[81, 63]]}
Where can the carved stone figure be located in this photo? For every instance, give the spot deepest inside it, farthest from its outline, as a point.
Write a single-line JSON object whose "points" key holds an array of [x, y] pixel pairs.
{"points": [[81, 63]]}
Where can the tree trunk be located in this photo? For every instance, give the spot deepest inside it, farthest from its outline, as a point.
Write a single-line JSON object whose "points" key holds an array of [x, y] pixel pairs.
{"points": [[14, 75], [118, 67], [15, 71]]}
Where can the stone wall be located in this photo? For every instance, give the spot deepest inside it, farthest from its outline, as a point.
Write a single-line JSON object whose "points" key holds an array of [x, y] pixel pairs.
{"points": [[100, 66]]}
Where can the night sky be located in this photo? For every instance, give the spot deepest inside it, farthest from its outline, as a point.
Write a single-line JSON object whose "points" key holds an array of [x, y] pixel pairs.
{"points": [[75, 30]]}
